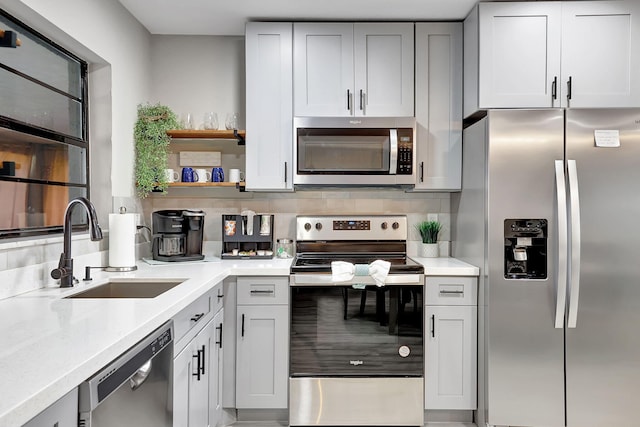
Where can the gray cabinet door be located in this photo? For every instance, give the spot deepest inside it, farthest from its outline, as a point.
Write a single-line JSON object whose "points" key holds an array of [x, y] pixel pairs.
{"points": [[269, 149], [215, 372], [323, 63], [383, 65], [262, 358], [519, 54], [450, 357], [601, 54], [439, 106], [191, 370]]}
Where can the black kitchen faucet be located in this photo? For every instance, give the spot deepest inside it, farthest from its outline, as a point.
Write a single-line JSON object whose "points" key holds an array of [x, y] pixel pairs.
{"points": [[64, 272]]}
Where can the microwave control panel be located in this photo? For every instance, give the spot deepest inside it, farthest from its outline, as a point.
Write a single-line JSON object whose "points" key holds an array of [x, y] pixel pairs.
{"points": [[405, 152]]}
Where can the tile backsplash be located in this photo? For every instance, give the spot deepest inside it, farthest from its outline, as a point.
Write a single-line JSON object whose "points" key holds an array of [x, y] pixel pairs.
{"points": [[286, 206], [26, 264]]}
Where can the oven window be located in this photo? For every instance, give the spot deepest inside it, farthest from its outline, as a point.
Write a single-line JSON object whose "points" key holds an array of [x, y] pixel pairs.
{"points": [[344, 151], [341, 331]]}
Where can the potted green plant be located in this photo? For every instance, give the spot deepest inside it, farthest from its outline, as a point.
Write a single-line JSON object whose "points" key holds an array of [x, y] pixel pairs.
{"points": [[429, 233], [152, 147]]}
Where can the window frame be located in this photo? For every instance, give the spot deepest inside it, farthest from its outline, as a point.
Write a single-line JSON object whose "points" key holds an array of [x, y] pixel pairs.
{"points": [[40, 134]]}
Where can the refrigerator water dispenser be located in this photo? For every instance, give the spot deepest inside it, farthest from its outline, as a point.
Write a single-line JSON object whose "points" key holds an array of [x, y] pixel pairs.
{"points": [[525, 249]]}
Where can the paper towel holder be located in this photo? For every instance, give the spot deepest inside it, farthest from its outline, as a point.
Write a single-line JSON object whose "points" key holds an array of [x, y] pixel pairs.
{"points": [[122, 210]]}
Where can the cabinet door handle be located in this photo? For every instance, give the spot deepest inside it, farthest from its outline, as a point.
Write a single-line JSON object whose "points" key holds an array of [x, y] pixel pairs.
{"points": [[197, 317], [202, 359], [554, 88], [348, 100], [197, 372], [569, 87], [433, 325], [242, 334], [361, 100], [421, 171], [285, 172], [219, 342]]}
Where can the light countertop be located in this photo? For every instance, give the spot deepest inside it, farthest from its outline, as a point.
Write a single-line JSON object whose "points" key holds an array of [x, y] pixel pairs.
{"points": [[51, 344]]}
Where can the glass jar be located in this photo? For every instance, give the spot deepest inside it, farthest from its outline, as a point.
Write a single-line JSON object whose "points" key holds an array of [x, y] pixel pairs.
{"points": [[284, 248]]}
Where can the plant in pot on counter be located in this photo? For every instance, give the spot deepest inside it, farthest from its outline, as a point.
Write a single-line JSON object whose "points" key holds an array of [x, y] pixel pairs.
{"points": [[429, 233], [152, 147]]}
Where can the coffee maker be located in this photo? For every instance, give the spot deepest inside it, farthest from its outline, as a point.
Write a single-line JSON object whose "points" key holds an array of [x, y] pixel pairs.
{"points": [[177, 235]]}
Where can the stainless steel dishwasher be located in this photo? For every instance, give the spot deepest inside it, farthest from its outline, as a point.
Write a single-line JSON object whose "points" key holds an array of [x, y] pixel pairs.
{"points": [[133, 390]]}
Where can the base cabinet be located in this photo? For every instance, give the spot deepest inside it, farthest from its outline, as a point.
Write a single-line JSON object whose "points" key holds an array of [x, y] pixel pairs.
{"points": [[63, 413], [191, 372], [197, 364], [262, 345], [451, 343]]}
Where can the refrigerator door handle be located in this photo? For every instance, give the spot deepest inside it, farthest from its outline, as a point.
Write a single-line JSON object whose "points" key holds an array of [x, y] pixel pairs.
{"points": [[574, 282], [561, 290]]}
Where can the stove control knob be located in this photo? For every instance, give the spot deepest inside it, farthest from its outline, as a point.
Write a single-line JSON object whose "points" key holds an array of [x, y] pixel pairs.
{"points": [[318, 226], [384, 225], [307, 226], [395, 226]]}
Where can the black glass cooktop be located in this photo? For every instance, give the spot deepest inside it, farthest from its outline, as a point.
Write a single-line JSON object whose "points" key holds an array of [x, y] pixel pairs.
{"points": [[314, 263]]}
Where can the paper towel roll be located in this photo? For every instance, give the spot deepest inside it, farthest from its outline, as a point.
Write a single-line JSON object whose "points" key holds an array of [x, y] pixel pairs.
{"points": [[122, 240]]}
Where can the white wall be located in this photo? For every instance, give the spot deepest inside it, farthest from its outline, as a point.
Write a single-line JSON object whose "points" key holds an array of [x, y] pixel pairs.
{"points": [[196, 74]]}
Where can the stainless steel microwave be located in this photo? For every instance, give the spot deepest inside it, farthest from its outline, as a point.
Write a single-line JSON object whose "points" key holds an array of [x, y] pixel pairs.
{"points": [[354, 151]]}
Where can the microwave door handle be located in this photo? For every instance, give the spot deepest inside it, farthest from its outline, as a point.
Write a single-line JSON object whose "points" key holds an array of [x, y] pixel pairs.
{"points": [[393, 151]]}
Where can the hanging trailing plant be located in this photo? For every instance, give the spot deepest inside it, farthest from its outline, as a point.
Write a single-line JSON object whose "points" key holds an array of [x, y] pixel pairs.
{"points": [[152, 147]]}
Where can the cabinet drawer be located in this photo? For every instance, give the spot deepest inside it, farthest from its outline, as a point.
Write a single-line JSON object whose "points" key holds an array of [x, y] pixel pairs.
{"points": [[196, 314], [451, 291], [263, 290], [63, 413]]}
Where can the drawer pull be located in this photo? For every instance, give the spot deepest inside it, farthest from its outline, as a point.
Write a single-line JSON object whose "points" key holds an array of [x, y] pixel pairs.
{"points": [[220, 296], [197, 317], [451, 292], [262, 291]]}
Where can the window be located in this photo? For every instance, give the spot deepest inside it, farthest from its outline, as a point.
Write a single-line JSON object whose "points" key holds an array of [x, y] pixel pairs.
{"points": [[43, 133]]}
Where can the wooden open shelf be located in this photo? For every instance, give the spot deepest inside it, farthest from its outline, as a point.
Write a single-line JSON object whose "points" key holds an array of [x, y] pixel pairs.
{"points": [[240, 185], [205, 134]]}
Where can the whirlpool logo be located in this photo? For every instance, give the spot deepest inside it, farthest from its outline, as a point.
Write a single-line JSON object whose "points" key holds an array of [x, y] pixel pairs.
{"points": [[356, 362]]}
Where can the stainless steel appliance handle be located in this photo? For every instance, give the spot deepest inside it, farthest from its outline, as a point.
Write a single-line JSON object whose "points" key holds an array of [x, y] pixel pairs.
{"points": [[574, 283], [393, 151], [561, 291], [141, 375]]}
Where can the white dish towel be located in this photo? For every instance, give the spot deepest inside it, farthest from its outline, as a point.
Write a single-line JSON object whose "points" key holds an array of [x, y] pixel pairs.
{"points": [[344, 271]]}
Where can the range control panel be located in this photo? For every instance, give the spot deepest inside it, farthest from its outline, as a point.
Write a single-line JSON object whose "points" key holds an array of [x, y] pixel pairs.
{"points": [[352, 225], [383, 227]]}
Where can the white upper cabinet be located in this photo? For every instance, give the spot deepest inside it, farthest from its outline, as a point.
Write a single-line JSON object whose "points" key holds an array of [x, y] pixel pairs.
{"points": [[601, 54], [269, 148], [384, 70], [439, 106], [362, 69], [519, 54], [551, 54]]}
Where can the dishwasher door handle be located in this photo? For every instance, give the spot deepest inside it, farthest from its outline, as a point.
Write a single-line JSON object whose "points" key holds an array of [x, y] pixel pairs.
{"points": [[141, 375]]}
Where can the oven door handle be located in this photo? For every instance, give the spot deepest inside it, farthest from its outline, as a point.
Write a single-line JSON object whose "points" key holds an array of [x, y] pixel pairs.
{"points": [[393, 151]]}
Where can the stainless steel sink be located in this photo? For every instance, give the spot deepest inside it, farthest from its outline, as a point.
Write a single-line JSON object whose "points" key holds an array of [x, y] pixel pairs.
{"points": [[130, 288]]}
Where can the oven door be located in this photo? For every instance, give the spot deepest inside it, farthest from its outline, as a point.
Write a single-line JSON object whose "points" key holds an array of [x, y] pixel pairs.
{"points": [[341, 331]]}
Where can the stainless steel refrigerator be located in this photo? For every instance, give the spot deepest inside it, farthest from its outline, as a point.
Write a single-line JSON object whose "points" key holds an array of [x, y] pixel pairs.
{"points": [[550, 211]]}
